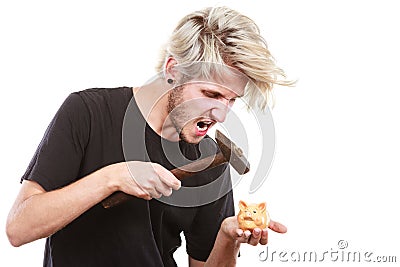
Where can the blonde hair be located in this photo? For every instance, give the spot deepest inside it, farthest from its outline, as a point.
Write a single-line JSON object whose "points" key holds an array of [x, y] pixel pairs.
{"points": [[223, 36]]}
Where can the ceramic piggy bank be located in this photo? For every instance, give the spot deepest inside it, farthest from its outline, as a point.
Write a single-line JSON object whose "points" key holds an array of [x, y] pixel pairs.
{"points": [[252, 216]]}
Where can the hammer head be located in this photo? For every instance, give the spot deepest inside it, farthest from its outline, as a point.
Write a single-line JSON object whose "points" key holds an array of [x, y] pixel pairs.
{"points": [[233, 154]]}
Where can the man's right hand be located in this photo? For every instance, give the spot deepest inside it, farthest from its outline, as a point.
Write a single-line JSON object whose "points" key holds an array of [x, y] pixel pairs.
{"points": [[141, 179], [37, 213]]}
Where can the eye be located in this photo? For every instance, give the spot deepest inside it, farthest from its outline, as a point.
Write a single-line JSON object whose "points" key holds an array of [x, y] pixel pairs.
{"points": [[254, 211]]}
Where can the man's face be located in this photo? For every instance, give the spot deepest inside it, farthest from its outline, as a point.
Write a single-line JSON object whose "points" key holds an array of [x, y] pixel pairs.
{"points": [[196, 106]]}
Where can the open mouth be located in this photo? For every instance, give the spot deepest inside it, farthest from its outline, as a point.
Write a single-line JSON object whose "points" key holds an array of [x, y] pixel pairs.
{"points": [[203, 125]]}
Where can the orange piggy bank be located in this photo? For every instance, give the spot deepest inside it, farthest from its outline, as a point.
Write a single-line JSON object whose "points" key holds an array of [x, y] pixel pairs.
{"points": [[252, 216]]}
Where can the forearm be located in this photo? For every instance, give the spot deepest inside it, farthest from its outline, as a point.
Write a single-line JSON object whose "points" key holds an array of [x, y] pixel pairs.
{"points": [[230, 236], [44, 213], [224, 252]]}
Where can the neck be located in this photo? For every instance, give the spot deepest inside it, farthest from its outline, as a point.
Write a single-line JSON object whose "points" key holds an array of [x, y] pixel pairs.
{"points": [[152, 100]]}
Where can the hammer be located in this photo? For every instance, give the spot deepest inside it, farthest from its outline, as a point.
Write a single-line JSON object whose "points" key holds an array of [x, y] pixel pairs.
{"points": [[229, 152]]}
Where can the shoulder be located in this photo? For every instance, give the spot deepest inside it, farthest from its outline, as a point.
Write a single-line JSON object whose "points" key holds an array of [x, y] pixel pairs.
{"points": [[86, 105], [105, 94], [101, 99]]}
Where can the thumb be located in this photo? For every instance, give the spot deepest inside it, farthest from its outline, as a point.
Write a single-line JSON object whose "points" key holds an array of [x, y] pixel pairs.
{"points": [[166, 176], [277, 227]]}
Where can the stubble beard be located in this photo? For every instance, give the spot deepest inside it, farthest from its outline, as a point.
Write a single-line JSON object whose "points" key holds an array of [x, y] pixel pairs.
{"points": [[177, 112]]}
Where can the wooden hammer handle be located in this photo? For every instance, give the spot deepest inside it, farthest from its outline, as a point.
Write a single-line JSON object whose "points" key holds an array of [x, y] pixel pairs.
{"points": [[182, 172]]}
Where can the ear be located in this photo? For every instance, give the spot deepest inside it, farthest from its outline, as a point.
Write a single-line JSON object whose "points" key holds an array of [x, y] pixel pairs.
{"points": [[242, 205], [170, 72], [262, 206]]}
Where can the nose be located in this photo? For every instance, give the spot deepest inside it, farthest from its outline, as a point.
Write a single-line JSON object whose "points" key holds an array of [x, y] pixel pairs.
{"points": [[220, 111]]}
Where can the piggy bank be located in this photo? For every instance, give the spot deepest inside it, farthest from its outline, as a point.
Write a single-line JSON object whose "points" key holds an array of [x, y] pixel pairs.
{"points": [[252, 216]]}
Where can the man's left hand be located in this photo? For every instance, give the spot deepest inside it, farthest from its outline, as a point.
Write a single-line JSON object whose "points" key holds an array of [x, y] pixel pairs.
{"points": [[230, 227]]}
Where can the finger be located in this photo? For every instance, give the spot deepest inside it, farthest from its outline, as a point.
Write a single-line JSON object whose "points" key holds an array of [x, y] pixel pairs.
{"points": [[264, 237], [167, 192], [155, 194], [167, 177], [255, 237], [142, 194], [277, 227], [151, 187], [245, 237], [164, 189], [146, 197], [247, 233], [239, 232]]}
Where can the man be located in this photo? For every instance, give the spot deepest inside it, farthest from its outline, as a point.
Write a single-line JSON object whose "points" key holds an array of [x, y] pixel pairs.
{"points": [[124, 139]]}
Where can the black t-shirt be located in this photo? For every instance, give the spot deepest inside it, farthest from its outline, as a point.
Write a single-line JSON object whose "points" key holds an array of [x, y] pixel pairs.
{"points": [[85, 135]]}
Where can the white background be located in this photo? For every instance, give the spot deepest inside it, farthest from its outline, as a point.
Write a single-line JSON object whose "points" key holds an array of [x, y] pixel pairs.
{"points": [[335, 171]]}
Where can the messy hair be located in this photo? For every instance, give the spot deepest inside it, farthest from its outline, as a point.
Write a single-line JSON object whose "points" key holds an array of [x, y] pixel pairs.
{"points": [[221, 35]]}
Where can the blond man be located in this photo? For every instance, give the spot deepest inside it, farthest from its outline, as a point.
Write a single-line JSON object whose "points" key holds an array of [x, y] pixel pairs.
{"points": [[105, 140]]}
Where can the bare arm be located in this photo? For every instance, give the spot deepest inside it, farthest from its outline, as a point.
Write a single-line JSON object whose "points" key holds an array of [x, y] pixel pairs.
{"points": [[229, 238], [224, 253], [37, 213]]}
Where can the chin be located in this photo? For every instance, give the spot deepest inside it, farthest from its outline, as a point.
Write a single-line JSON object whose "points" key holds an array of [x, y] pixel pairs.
{"points": [[190, 138]]}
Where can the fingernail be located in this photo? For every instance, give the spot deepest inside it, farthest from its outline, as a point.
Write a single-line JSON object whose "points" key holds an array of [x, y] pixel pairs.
{"points": [[247, 233], [239, 232], [257, 231]]}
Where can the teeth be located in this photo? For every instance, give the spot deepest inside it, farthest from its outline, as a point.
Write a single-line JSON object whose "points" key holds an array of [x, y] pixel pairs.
{"points": [[201, 129], [203, 125]]}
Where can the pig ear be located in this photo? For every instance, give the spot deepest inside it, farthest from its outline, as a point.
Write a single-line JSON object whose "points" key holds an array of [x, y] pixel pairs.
{"points": [[242, 205], [262, 206]]}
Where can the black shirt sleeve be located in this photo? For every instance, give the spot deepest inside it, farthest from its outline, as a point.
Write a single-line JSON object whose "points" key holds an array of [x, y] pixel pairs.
{"points": [[57, 159], [201, 237]]}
